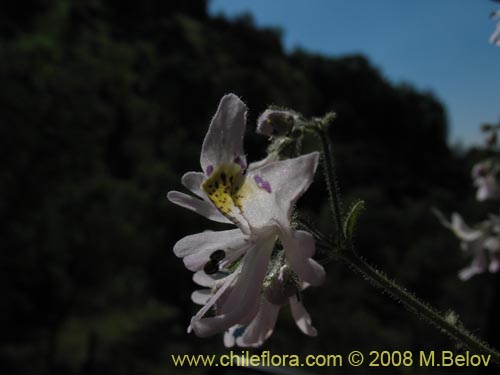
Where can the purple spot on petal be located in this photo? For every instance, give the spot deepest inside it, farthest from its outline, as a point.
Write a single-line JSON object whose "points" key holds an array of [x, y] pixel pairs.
{"points": [[266, 186], [240, 162], [210, 169], [261, 183]]}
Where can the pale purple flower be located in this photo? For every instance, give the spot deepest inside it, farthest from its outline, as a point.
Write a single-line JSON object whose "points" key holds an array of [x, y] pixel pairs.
{"points": [[482, 244], [258, 199], [485, 176]]}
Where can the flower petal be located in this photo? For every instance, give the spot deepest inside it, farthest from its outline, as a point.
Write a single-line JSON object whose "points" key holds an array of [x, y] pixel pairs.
{"points": [[299, 248], [487, 188], [224, 140], [193, 181], [302, 317], [196, 249], [467, 272], [276, 188], [243, 300], [201, 296], [492, 244], [271, 158], [261, 327], [478, 265], [202, 279], [229, 339], [462, 230], [494, 38], [225, 285], [494, 264], [202, 208]]}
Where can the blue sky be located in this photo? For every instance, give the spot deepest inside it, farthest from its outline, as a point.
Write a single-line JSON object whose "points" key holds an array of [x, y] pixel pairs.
{"points": [[439, 46]]}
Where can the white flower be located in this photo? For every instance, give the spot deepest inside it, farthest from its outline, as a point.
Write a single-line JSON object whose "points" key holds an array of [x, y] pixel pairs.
{"points": [[485, 178], [258, 200], [280, 292], [482, 244]]}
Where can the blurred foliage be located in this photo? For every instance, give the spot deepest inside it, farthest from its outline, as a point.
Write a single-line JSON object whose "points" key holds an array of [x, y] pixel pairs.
{"points": [[103, 106]]}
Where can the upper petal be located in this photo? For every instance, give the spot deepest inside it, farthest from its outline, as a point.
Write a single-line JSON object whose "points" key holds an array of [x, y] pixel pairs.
{"points": [[271, 158], [224, 140], [276, 187], [302, 317], [199, 206]]}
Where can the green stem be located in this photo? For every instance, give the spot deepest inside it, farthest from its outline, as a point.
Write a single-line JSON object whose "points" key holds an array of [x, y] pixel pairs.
{"points": [[347, 254], [331, 182], [455, 331]]}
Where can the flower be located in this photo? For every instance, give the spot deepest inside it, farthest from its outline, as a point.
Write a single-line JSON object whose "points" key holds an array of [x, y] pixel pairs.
{"points": [[482, 244], [485, 175], [258, 200], [495, 37], [282, 290]]}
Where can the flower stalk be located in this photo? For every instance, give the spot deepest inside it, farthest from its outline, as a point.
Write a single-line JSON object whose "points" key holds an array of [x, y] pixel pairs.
{"points": [[452, 328], [348, 255], [329, 169]]}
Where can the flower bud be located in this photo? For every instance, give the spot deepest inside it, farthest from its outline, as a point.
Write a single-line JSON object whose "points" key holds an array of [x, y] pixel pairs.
{"points": [[275, 122]]}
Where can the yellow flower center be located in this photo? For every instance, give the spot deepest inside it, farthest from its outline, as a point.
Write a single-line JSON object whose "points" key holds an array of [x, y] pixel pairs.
{"points": [[226, 188]]}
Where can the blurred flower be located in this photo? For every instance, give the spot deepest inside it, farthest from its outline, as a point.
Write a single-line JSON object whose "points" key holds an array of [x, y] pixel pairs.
{"points": [[282, 289], [483, 244], [495, 37], [485, 175], [258, 200], [491, 139]]}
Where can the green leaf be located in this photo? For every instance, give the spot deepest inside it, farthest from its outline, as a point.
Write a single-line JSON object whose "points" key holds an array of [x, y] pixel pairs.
{"points": [[352, 218]]}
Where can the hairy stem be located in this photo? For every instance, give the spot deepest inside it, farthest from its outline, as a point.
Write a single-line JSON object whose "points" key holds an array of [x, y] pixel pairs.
{"points": [[344, 250], [331, 182], [452, 329]]}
